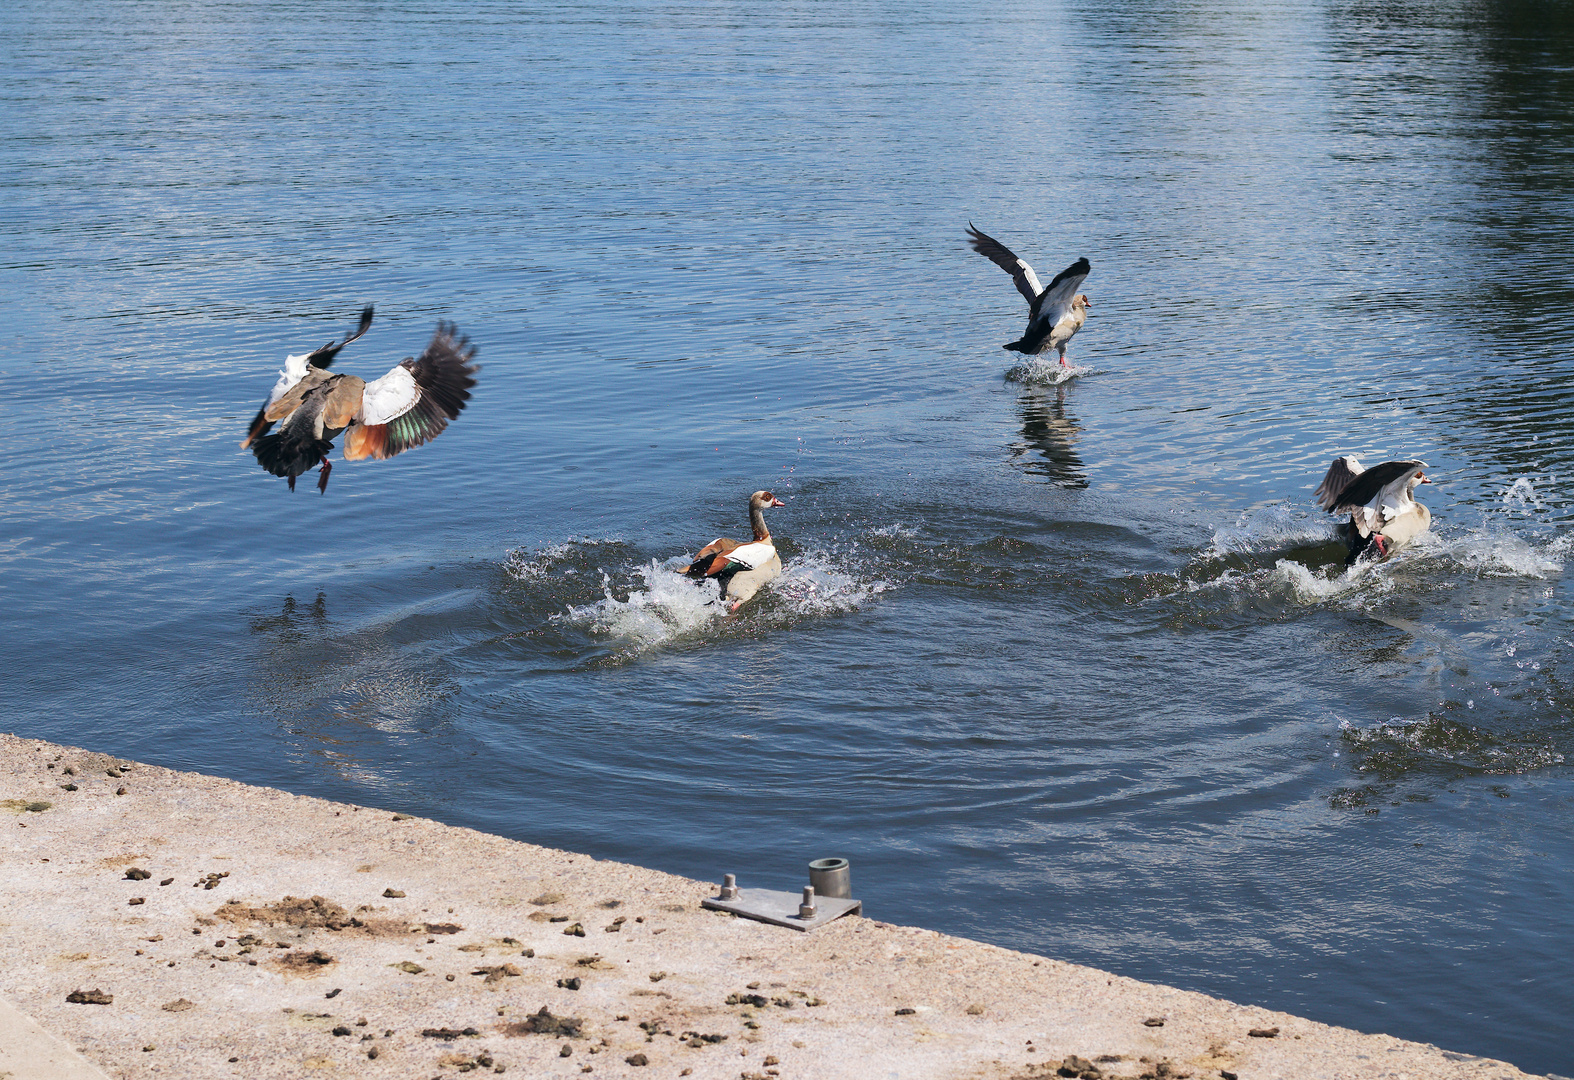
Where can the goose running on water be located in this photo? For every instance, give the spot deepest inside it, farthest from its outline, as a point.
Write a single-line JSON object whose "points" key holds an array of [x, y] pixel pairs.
{"points": [[1383, 512], [740, 569], [1054, 314], [410, 405]]}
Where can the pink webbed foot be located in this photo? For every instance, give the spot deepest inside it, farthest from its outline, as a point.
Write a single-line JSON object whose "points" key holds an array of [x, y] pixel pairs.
{"points": [[322, 477], [1382, 544]]}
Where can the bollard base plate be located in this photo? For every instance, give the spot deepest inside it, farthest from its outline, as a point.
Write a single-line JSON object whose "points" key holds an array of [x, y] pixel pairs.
{"points": [[781, 908]]}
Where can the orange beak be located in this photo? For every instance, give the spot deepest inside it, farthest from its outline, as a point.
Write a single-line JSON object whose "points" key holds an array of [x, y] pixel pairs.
{"points": [[777, 502]]}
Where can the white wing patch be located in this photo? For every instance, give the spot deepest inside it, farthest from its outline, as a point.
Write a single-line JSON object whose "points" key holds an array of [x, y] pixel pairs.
{"points": [[753, 555], [389, 397], [1056, 306], [1029, 277], [1395, 499]]}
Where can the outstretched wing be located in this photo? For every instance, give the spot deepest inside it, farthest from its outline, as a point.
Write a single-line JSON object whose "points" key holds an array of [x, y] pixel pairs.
{"points": [[295, 369], [1339, 475], [1003, 257], [413, 403], [1366, 487], [1056, 301]]}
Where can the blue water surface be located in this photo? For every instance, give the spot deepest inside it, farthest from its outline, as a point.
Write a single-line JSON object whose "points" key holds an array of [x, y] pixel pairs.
{"points": [[1070, 666]]}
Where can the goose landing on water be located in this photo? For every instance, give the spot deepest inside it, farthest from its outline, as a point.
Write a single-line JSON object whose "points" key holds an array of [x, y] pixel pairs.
{"points": [[410, 405], [1383, 514], [1053, 314], [740, 569]]}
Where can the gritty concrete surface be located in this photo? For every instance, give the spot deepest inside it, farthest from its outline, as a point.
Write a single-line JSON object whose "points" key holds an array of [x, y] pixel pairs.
{"points": [[208, 929], [28, 1052]]}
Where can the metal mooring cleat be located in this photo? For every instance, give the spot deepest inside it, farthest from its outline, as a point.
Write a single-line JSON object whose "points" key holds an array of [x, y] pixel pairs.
{"points": [[784, 908]]}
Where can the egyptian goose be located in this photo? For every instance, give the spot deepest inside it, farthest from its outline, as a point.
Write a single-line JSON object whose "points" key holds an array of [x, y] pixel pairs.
{"points": [[740, 569], [1054, 314], [1383, 514], [409, 406]]}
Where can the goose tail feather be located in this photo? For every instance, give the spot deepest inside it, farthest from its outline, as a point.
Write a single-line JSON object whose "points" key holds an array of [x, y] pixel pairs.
{"points": [[290, 453]]}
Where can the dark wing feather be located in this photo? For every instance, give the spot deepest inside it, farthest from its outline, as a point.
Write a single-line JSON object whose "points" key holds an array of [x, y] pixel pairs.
{"points": [[327, 354], [1364, 488], [1033, 338], [445, 370], [1021, 273], [445, 374], [260, 426], [1335, 480]]}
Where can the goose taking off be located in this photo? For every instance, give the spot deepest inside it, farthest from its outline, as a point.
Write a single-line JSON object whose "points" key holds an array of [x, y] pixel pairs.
{"points": [[1383, 514], [740, 569], [1054, 314], [410, 405]]}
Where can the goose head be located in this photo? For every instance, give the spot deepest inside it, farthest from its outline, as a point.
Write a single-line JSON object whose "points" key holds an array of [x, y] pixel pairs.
{"points": [[759, 502], [1081, 301], [1417, 477]]}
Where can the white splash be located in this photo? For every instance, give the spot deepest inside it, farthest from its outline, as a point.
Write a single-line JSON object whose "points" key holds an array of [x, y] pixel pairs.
{"points": [[1291, 582], [1267, 528], [1496, 553], [818, 583], [1041, 372], [524, 565], [662, 604], [669, 605], [1307, 586], [1522, 494]]}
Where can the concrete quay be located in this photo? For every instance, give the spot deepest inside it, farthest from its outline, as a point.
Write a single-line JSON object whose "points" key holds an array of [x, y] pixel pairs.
{"points": [[165, 924]]}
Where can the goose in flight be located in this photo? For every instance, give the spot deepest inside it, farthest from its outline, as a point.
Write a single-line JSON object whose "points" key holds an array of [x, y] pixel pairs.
{"points": [[740, 569], [1383, 513], [410, 405], [1054, 314]]}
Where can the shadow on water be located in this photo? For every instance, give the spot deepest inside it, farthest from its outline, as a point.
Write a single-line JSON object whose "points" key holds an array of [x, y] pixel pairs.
{"points": [[294, 623], [347, 693], [1049, 437]]}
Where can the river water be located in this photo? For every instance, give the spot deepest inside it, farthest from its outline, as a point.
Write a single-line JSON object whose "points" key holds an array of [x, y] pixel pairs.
{"points": [[1070, 666]]}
